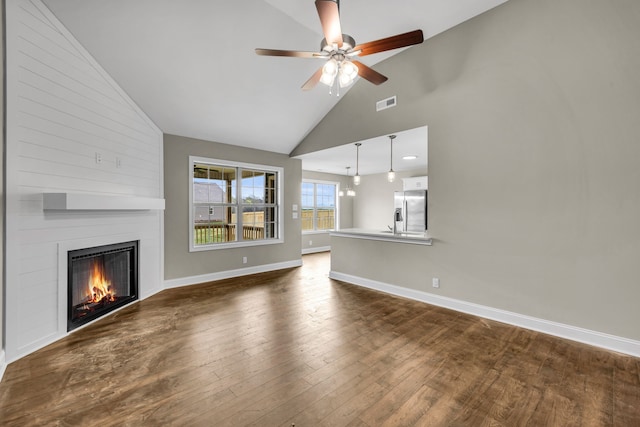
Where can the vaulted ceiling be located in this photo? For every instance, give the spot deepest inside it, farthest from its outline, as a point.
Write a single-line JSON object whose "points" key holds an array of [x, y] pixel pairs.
{"points": [[190, 64]]}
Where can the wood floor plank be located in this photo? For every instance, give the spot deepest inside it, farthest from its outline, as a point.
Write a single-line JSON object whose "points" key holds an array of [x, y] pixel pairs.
{"points": [[413, 409], [315, 412], [350, 408], [392, 401], [339, 379], [295, 347]]}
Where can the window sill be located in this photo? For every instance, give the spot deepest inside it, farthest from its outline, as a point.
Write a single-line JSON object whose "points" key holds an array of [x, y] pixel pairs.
{"points": [[230, 245], [317, 232]]}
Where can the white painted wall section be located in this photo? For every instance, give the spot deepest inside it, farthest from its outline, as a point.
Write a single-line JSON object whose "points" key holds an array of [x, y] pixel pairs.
{"points": [[70, 128]]}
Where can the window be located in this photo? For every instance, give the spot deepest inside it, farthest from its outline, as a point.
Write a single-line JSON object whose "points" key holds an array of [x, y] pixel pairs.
{"points": [[233, 204], [319, 209]]}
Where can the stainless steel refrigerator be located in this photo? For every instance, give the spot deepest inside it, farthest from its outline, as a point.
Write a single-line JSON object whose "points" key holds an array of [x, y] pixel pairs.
{"points": [[412, 216]]}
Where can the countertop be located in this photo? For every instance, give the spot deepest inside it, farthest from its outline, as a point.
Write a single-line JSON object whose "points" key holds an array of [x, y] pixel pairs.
{"points": [[383, 235]]}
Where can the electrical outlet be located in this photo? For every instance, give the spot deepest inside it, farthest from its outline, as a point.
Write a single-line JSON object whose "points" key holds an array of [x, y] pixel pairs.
{"points": [[98, 158], [244, 259], [118, 162], [310, 242], [435, 282]]}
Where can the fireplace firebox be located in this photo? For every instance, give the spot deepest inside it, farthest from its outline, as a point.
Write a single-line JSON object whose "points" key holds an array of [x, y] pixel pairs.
{"points": [[100, 279]]}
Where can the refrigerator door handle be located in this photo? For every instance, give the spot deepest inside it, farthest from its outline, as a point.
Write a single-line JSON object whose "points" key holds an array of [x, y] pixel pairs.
{"points": [[406, 215]]}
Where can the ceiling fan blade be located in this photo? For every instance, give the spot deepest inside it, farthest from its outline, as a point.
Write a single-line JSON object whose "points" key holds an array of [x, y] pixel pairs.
{"points": [[330, 20], [294, 53], [313, 80], [389, 43], [369, 73]]}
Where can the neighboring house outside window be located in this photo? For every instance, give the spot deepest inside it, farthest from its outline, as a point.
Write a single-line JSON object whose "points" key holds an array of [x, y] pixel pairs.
{"points": [[233, 204], [319, 206]]}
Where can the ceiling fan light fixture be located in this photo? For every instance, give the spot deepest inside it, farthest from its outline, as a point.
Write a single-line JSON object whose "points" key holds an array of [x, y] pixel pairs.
{"points": [[327, 79], [349, 68], [330, 67], [348, 73], [329, 72], [344, 80]]}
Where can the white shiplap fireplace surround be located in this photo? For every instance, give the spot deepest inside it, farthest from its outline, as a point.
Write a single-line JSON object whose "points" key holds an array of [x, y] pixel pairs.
{"points": [[74, 138]]}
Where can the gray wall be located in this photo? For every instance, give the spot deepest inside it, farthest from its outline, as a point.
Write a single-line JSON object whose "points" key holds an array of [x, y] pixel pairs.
{"points": [[311, 241], [534, 186], [178, 261]]}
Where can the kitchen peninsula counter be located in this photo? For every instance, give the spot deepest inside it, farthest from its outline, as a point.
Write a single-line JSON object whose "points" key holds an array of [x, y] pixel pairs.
{"points": [[387, 236], [397, 264]]}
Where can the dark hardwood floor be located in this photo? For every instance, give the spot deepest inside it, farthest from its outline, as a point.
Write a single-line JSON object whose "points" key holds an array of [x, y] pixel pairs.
{"points": [[294, 347]]}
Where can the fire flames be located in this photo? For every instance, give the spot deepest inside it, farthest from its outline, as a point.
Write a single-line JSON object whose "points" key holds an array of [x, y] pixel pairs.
{"points": [[99, 288]]}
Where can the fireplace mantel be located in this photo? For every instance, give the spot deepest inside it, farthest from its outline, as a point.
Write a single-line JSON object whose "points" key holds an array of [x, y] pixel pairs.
{"points": [[98, 202]]}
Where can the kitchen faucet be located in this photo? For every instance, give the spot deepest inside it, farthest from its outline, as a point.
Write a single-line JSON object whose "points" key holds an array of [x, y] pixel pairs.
{"points": [[397, 216]]}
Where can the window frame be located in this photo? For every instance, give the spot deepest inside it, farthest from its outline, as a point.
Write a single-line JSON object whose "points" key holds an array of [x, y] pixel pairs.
{"points": [[239, 166], [336, 220]]}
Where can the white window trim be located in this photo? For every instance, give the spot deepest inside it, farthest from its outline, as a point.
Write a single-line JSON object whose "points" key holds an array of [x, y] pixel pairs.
{"points": [[336, 222], [243, 243]]}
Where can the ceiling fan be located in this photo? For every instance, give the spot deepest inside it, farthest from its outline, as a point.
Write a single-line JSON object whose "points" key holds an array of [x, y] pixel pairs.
{"points": [[339, 50]]}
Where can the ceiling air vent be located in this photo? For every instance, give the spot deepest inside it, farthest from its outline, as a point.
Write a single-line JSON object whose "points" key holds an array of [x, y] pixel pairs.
{"points": [[386, 103]]}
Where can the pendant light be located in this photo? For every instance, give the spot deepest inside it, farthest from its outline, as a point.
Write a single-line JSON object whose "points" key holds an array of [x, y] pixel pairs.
{"points": [[348, 191], [391, 175], [356, 177]]}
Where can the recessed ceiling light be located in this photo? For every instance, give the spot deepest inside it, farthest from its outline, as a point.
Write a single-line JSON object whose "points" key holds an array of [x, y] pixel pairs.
{"points": [[412, 157]]}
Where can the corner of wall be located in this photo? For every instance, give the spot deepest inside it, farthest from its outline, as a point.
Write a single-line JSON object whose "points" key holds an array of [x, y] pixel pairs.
{"points": [[2, 195], [3, 364]]}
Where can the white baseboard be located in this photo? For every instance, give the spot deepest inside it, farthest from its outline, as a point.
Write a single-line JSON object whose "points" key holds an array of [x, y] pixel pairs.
{"points": [[210, 277], [3, 364], [316, 250], [586, 336]]}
